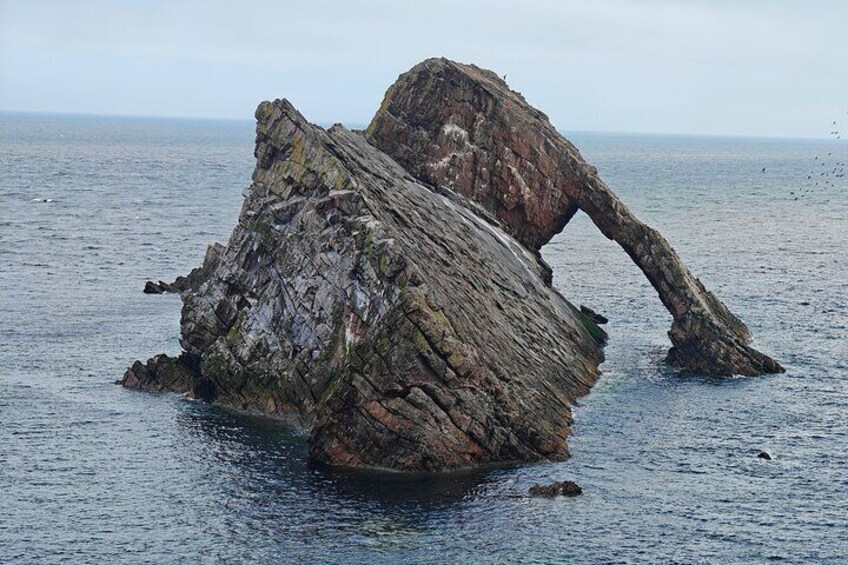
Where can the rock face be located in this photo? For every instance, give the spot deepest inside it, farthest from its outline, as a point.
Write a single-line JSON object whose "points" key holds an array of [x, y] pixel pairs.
{"points": [[404, 329], [460, 126]]}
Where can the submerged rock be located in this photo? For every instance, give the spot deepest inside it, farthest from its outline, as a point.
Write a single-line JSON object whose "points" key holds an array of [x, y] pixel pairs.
{"points": [[404, 329], [764, 455], [151, 287], [460, 126], [564, 488]]}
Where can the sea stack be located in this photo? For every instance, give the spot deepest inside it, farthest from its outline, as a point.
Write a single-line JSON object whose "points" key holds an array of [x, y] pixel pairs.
{"points": [[384, 289]]}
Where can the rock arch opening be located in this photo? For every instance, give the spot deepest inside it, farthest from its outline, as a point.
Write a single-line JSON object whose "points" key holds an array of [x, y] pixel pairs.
{"points": [[461, 127]]}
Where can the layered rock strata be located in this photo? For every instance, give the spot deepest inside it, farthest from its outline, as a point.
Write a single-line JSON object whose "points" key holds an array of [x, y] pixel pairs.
{"points": [[461, 127], [407, 331]]}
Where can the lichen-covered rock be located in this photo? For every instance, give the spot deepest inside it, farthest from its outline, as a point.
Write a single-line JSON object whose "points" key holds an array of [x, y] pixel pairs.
{"points": [[404, 329], [460, 126]]}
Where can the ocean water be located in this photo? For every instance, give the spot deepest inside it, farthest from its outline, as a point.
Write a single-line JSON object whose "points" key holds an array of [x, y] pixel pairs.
{"points": [[91, 473]]}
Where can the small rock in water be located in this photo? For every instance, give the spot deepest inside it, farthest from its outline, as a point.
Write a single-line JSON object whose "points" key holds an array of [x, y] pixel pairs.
{"points": [[563, 488], [151, 287], [764, 455]]}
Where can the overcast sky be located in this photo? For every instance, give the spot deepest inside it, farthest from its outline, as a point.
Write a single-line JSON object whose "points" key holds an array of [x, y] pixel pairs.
{"points": [[767, 67]]}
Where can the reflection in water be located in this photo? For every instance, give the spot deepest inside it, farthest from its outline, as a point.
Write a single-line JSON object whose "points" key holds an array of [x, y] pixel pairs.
{"points": [[274, 459], [261, 474]]}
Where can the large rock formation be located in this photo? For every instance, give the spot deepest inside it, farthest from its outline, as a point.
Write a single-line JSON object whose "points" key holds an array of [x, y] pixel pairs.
{"points": [[384, 290], [460, 126], [407, 331]]}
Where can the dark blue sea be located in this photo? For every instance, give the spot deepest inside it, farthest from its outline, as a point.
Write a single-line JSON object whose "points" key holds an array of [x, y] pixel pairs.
{"points": [[90, 208]]}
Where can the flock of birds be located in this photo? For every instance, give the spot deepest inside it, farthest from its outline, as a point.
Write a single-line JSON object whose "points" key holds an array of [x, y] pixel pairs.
{"points": [[827, 171]]}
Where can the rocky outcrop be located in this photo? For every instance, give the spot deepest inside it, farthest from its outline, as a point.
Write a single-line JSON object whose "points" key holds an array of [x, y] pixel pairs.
{"points": [[162, 374], [194, 279], [461, 127], [398, 321], [385, 290]]}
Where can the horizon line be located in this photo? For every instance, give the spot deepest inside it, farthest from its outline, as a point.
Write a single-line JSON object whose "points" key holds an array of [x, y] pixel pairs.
{"points": [[362, 125]]}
